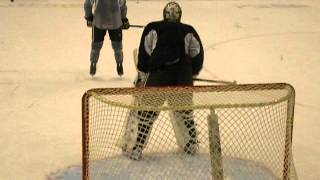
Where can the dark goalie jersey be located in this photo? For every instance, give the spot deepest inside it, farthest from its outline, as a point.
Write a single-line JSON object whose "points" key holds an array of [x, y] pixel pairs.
{"points": [[171, 52]]}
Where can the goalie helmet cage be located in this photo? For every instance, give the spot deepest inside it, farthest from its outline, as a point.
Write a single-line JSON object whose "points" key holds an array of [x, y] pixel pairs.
{"points": [[243, 131]]}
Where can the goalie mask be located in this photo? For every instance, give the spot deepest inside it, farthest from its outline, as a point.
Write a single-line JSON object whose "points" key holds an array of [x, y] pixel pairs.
{"points": [[172, 12]]}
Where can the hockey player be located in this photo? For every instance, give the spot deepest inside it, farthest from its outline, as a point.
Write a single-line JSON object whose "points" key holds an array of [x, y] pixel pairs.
{"points": [[103, 16], [170, 54]]}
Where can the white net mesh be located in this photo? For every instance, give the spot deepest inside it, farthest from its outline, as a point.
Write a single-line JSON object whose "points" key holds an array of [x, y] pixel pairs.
{"points": [[203, 132]]}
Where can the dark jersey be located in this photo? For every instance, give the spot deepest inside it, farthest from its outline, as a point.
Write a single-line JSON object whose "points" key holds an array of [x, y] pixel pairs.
{"points": [[171, 53]]}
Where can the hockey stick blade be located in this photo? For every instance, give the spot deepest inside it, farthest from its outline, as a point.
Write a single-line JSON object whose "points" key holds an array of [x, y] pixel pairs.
{"points": [[215, 81]]}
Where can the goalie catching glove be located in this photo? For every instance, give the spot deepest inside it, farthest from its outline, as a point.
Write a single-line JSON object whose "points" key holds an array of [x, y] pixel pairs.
{"points": [[140, 79]]}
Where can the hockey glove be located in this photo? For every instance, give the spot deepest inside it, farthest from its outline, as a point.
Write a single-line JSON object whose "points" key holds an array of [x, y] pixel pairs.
{"points": [[140, 79], [89, 21], [125, 23]]}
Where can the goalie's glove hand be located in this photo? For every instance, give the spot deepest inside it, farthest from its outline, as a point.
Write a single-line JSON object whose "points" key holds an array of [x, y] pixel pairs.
{"points": [[138, 82], [89, 21], [195, 76], [125, 23], [140, 79]]}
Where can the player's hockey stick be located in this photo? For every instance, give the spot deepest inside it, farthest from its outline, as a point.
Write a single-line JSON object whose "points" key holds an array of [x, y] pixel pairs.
{"points": [[215, 81], [136, 26]]}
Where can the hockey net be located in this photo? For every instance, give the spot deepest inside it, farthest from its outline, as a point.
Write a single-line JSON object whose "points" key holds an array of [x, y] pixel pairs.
{"points": [[242, 132]]}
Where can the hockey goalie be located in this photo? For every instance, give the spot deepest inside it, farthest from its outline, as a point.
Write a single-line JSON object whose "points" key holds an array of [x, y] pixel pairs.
{"points": [[170, 54]]}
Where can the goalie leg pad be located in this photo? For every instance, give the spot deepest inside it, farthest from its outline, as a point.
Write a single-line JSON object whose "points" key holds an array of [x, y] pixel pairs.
{"points": [[138, 132], [185, 131]]}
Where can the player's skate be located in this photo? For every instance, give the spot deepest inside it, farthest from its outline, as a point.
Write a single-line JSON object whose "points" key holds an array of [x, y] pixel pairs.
{"points": [[119, 69], [93, 68]]}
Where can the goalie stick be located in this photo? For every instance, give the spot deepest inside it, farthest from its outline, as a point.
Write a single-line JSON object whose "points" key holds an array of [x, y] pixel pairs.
{"points": [[215, 81], [128, 139], [135, 58], [142, 77]]}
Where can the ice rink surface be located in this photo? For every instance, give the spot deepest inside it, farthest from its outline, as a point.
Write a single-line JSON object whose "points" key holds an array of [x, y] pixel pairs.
{"points": [[44, 54]]}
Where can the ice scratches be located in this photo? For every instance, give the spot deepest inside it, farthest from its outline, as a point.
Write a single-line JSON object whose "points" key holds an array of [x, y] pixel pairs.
{"points": [[165, 166], [43, 3], [9, 71], [71, 173], [272, 6], [213, 45], [308, 106]]}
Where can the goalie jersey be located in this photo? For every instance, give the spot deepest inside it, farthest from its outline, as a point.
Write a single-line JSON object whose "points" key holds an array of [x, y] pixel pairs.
{"points": [[171, 52]]}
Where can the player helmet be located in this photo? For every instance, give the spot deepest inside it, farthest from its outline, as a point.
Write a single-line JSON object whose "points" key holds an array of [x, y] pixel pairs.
{"points": [[172, 12]]}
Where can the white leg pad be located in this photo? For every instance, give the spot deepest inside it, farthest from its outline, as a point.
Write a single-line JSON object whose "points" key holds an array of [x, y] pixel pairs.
{"points": [[185, 130]]}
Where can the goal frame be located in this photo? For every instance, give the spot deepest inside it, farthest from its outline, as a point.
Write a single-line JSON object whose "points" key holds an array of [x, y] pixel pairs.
{"points": [[231, 87]]}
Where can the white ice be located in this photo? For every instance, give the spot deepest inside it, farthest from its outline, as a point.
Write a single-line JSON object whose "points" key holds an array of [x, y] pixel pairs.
{"points": [[44, 54]]}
